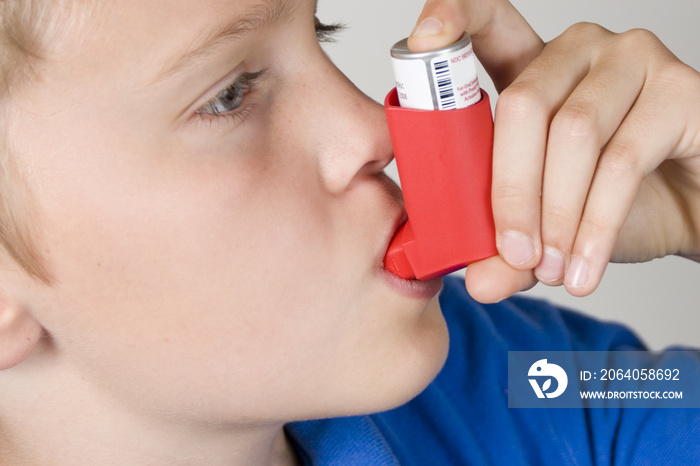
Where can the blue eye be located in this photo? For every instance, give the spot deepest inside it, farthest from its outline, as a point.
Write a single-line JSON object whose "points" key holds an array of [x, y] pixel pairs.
{"points": [[230, 99]]}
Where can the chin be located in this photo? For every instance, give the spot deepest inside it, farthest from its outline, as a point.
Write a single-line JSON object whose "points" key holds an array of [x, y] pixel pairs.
{"points": [[423, 363], [407, 371]]}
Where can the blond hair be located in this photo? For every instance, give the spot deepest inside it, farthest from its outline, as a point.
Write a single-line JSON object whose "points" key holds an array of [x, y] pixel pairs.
{"points": [[22, 28]]}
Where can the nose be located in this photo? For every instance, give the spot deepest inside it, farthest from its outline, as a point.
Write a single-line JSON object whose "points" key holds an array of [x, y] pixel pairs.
{"points": [[348, 134]]}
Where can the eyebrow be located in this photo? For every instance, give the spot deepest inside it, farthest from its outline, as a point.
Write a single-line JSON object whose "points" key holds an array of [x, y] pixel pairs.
{"points": [[257, 17]]}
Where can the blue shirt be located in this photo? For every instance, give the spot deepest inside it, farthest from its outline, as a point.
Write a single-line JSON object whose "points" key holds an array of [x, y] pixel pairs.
{"points": [[462, 418]]}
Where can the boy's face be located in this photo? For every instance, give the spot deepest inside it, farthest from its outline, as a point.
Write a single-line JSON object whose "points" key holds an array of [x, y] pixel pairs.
{"points": [[223, 267]]}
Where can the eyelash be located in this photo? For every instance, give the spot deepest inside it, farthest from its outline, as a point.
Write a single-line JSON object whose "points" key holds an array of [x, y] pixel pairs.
{"points": [[237, 90], [248, 81], [326, 33]]}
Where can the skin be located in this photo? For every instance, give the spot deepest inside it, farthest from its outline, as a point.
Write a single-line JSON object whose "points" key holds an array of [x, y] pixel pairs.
{"points": [[624, 117], [216, 277]]}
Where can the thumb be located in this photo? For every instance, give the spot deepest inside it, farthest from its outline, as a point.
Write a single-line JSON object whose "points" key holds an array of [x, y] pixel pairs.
{"points": [[502, 39]]}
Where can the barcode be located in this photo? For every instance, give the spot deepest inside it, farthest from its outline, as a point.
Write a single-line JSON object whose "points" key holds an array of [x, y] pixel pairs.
{"points": [[443, 79]]}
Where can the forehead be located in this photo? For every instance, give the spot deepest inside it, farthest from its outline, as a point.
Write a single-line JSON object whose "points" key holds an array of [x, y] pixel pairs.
{"points": [[160, 30]]}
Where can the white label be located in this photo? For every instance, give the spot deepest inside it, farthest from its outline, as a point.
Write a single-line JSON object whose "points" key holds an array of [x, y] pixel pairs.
{"points": [[455, 79], [412, 84]]}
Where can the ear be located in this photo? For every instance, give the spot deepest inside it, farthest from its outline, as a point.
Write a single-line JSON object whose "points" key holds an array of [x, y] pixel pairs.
{"points": [[19, 333]]}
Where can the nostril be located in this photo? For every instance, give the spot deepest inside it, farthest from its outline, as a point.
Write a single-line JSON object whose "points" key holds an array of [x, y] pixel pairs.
{"points": [[372, 168]]}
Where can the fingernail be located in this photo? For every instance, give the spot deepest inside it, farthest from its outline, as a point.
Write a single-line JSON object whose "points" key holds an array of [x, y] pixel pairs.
{"points": [[517, 248], [428, 27], [551, 267], [577, 275]]}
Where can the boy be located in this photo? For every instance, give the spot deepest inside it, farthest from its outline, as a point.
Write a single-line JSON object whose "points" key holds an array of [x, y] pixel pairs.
{"points": [[194, 231]]}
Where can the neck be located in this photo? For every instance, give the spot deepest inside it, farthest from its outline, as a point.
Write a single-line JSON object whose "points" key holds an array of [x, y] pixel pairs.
{"points": [[63, 420]]}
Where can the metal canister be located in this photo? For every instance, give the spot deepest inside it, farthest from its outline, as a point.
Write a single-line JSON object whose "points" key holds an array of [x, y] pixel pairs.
{"points": [[443, 79]]}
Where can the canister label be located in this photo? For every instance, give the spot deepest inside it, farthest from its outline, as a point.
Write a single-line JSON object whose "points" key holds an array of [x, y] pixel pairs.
{"points": [[442, 80]]}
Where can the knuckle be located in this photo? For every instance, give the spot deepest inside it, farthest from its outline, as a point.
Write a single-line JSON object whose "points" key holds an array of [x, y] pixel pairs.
{"points": [[620, 159], [557, 216], [508, 197], [640, 42], [577, 122], [598, 227], [584, 29], [677, 78], [519, 100], [558, 227], [635, 40], [513, 207]]}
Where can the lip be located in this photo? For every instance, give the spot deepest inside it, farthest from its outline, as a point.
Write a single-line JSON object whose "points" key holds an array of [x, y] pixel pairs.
{"points": [[416, 289]]}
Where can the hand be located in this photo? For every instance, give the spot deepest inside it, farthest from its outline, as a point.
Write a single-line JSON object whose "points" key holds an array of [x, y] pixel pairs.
{"points": [[596, 150]]}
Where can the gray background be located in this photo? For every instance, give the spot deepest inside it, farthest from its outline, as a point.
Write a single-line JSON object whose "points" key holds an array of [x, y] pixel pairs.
{"points": [[657, 299]]}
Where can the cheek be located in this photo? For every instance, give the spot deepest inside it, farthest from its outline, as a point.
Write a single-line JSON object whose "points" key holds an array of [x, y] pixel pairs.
{"points": [[206, 232], [195, 270]]}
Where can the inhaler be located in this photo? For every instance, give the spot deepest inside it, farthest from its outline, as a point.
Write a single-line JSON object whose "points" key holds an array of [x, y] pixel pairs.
{"points": [[442, 133]]}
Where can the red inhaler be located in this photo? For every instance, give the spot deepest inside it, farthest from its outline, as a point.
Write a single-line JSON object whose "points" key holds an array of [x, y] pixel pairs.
{"points": [[443, 154]]}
